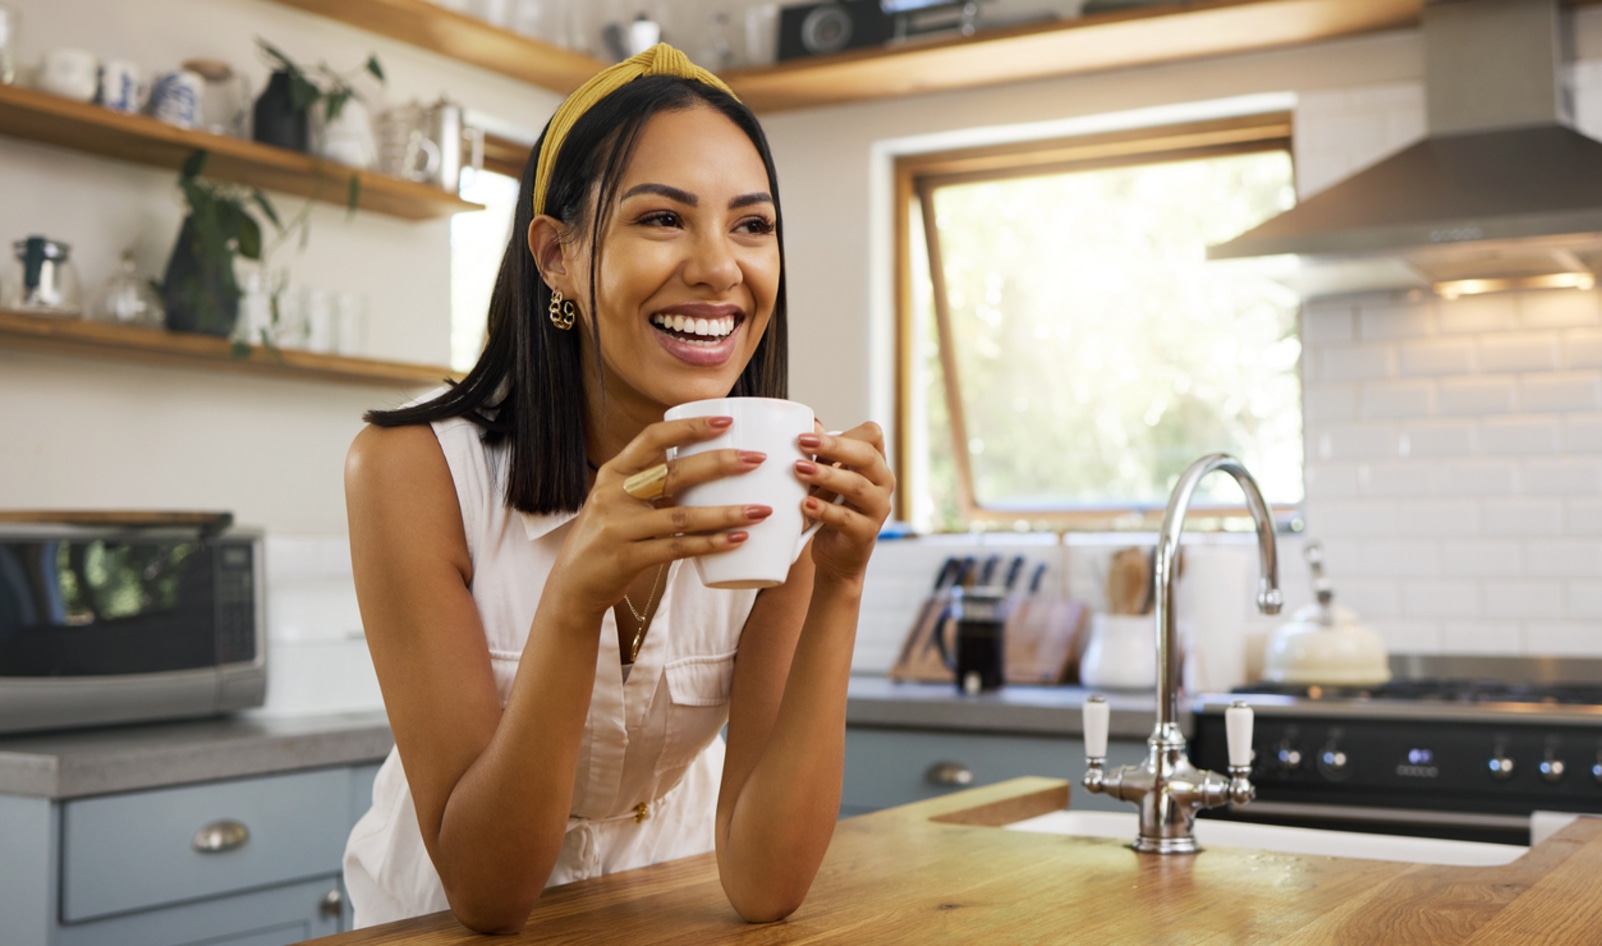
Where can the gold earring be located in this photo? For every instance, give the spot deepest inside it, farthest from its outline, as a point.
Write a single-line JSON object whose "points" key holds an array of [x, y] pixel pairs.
{"points": [[562, 311]]}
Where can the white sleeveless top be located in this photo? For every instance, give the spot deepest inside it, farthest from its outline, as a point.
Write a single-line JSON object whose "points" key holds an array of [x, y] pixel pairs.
{"points": [[652, 740]]}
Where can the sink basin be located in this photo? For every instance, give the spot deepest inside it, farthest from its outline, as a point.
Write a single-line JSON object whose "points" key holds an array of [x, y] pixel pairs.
{"points": [[1123, 826]]}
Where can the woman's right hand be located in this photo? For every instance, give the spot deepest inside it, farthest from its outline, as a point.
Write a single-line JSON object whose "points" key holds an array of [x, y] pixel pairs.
{"points": [[616, 536]]}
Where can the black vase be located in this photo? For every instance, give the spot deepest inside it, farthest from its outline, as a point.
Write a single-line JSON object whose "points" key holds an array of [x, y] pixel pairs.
{"points": [[276, 120], [199, 293]]}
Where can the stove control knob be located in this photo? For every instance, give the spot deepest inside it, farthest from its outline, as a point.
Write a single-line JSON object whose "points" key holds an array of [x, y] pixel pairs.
{"points": [[1288, 756], [1596, 770], [1551, 769], [1501, 766], [1333, 759]]}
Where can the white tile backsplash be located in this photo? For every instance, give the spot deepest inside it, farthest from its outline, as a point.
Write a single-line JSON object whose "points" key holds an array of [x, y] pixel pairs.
{"points": [[1479, 528]]}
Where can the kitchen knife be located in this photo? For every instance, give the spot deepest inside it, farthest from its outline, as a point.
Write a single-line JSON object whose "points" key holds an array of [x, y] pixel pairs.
{"points": [[948, 574], [1012, 572], [989, 571], [1034, 580]]}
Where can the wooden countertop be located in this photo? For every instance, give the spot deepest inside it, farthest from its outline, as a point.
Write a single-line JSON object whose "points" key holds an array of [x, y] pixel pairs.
{"points": [[939, 872]]}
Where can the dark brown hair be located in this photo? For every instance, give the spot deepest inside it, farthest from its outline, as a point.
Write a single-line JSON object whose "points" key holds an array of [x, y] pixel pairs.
{"points": [[526, 387]]}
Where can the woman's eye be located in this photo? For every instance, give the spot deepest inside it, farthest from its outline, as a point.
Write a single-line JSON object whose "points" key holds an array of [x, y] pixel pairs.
{"points": [[660, 218], [756, 225]]}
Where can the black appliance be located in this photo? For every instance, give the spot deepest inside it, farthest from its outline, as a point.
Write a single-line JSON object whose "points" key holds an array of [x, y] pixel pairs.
{"points": [[1453, 747], [110, 618]]}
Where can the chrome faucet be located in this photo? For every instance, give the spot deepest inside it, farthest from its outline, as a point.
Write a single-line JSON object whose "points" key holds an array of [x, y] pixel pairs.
{"points": [[1166, 787]]}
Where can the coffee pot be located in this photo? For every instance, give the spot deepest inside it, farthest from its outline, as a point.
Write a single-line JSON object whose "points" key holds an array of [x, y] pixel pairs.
{"points": [[448, 129]]}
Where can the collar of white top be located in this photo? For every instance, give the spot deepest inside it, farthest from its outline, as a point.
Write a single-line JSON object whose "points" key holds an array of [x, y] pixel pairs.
{"points": [[538, 526]]}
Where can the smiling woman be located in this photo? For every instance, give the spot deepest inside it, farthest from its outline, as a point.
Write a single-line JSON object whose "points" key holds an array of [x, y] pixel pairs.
{"points": [[555, 680]]}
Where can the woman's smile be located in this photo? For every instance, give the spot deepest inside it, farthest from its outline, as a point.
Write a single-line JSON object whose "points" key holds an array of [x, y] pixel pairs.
{"points": [[699, 333]]}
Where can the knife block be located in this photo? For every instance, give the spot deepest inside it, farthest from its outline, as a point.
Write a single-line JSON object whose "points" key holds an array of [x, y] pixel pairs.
{"points": [[1043, 641]]}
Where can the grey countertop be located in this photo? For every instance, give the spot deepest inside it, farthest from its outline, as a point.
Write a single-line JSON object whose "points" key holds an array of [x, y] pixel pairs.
{"points": [[1055, 711], [75, 763]]}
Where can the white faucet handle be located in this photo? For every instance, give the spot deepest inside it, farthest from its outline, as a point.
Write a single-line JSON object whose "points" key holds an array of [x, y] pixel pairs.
{"points": [[1238, 730], [1097, 715]]}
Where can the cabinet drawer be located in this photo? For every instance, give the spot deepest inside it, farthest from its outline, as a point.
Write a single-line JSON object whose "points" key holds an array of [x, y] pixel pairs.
{"points": [[137, 850], [888, 767]]}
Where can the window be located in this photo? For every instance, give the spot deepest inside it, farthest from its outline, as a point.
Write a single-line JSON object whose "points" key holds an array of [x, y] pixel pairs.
{"points": [[1065, 348]]}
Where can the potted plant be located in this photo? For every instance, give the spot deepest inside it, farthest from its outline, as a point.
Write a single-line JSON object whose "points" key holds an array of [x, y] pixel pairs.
{"points": [[199, 289], [283, 111]]}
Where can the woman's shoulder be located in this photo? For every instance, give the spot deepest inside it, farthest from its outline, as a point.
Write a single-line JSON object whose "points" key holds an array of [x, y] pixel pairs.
{"points": [[388, 457]]}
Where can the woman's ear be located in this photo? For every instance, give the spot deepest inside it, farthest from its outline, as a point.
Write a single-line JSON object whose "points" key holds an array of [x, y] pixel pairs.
{"points": [[546, 245]]}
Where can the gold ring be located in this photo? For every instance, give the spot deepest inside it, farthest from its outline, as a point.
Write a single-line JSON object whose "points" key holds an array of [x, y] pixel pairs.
{"points": [[647, 484]]}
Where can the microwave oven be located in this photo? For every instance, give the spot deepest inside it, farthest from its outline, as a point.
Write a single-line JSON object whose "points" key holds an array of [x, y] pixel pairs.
{"points": [[112, 622]]}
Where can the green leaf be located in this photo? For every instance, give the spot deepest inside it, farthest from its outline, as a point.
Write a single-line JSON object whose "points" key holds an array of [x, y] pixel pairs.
{"points": [[193, 165], [374, 68], [335, 103], [353, 196], [266, 207], [282, 61], [302, 93], [240, 349], [249, 237]]}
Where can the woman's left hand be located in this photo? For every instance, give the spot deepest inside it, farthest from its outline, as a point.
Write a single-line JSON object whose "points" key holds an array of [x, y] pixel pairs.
{"points": [[853, 465]]}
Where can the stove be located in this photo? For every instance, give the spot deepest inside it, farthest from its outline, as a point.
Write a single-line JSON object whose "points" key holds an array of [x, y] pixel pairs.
{"points": [[1453, 747]]}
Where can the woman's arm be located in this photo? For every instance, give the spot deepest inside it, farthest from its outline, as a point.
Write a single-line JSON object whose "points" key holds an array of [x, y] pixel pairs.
{"points": [[493, 788], [780, 795]]}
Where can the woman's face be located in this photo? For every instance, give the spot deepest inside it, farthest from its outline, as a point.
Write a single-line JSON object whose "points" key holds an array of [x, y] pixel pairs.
{"points": [[689, 264]]}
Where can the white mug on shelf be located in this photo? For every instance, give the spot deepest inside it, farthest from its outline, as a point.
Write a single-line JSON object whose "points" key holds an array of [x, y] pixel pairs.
{"points": [[769, 425], [70, 73], [122, 88], [175, 97]]}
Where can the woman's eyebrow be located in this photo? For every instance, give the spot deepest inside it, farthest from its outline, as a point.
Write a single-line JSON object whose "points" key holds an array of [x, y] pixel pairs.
{"points": [[671, 193], [746, 200]]}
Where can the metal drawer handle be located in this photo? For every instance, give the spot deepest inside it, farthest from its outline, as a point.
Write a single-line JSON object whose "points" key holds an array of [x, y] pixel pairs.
{"points": [[224, 835], [948, 774], [332, 903]]}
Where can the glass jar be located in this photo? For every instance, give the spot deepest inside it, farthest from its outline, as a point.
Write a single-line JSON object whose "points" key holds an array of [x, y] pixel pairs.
{"points": [[42, 280], [126, 298]]}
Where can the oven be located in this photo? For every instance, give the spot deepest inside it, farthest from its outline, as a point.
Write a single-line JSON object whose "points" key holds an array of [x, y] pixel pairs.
{"points": [[1453, 747]]}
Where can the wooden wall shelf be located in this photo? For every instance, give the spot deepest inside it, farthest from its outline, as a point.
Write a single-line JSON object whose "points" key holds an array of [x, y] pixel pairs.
{"points": [[1093, 43], [70, 336], [1173, 31], [139, 139], [459, 36]]}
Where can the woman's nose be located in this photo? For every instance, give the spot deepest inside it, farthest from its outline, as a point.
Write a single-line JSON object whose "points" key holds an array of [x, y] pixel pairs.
{"points": [[712, 263]]}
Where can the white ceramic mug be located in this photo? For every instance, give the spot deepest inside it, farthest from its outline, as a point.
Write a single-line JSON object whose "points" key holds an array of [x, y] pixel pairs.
{"points": [[73, 73], [175, 97], [122, 88], [769, 425]]}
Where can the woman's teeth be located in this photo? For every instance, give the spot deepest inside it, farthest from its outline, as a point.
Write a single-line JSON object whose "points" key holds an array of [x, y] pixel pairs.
{"points": [[710, 329]]}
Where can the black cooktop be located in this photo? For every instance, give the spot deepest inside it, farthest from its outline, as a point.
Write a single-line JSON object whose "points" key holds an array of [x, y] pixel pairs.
{"points": [[1440, 691]]}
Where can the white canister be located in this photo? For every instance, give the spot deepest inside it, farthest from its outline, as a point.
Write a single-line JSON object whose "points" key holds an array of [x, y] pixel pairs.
{"points": [[348, 139], [175, 98], [122, 88], [71, 73], [1122, 652]]}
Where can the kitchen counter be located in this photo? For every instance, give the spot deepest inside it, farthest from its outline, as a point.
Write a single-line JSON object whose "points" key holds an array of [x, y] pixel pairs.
{"points": [[939, 871], [1035, 710], [76, 763]]}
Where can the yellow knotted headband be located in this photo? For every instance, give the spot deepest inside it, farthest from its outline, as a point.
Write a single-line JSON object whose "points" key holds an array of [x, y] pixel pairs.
{"points": [[659, 60]]}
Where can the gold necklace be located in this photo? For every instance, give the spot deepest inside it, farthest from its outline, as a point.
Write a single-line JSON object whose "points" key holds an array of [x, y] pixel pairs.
{"points": [[639, 633]]}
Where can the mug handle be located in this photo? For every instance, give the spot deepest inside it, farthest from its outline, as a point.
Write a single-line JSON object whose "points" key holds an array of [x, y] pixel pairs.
{"points": [[812, 530]]}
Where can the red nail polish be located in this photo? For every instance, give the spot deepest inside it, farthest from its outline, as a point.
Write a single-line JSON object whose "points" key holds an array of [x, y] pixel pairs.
{"points": [[812, 504], [718, 423], [752, 456], [810, 440], [758, 512], [735, 538], [806, 467]]}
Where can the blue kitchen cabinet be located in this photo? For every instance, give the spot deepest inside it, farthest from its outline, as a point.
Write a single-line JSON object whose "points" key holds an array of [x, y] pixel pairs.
{"points": [[242, 862], [885, 767]]}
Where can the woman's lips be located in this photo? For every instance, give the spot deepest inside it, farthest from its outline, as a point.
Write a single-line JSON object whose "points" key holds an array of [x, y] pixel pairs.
{"points": [[703, 350]]}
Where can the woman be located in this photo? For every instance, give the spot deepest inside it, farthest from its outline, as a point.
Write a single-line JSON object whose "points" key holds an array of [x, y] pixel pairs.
{"points": [[554, 678]]}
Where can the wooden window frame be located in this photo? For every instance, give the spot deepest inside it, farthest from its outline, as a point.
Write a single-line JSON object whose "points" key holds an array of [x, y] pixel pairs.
{"points": [[917, 176]]}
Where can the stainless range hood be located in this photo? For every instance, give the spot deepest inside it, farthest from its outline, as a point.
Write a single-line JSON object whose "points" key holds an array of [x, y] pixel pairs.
{"points": [[1501, 194]]}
